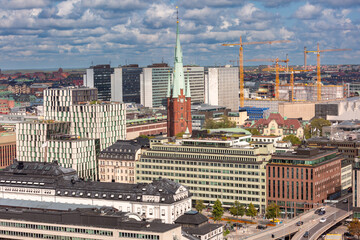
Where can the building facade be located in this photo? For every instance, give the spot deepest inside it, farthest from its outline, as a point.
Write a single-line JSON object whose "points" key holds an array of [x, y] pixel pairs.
{"points": [[356, 190], [7, 148], [197, 83], [117, 162], [222, 87], [301, 181], [212, 169], [178, 96], [276, 125], [47, 141], [131, 83], [89, 118], [48, 182], [81, 224], [107, 80]]}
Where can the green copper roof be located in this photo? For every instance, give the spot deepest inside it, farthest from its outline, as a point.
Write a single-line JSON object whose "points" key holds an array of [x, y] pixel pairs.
{"points": [[179, 82]]}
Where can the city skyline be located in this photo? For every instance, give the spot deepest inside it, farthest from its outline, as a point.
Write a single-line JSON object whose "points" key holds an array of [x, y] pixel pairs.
{"points": [[77, 33]]}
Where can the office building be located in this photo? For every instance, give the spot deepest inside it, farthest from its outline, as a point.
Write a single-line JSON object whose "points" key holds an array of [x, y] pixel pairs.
{"points": [[117, 162], [222, 87], [107, 80], [197, 83], [154, 85], [227, 170], [201, 113], [41, 222], [89, 118], [302, 180], [178, 96], [131, 83], [356, 190], [255, 113], [350, 149], [48, 182], [47, 141], [7, 148], [155, 77]]}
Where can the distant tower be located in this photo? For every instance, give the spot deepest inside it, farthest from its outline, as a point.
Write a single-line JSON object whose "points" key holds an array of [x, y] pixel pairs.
{"points": [[178, 96]]}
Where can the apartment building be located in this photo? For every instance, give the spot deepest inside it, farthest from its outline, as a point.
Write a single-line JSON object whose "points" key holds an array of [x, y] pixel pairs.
{"points": [[212, 168]]}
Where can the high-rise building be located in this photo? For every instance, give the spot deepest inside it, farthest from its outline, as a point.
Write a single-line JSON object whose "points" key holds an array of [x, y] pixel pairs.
{"points": [[107, 80], [131, 83], [47, 141], [178, 96], [228, 170], [154, 85], [7, 148], [197, 83], [89, 118], [222, 87]]}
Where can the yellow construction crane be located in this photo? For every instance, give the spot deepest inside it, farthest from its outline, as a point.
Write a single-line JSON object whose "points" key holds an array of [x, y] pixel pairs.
{"points": [[318, 51], [241, 61], [277, 81]]}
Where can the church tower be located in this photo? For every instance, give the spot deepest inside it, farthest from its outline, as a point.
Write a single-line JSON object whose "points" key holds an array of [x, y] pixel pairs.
{"points": [[178, 96]]}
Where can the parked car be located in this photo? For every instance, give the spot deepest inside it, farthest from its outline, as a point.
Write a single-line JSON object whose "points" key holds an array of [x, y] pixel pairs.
{"points": [[345, 200], [322, 220], [317, 211], [306, 234], [322, 209], [348, 236], [299, 223], [261, 227]]}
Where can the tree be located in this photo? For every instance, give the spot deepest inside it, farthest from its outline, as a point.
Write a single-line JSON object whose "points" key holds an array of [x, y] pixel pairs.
{"points": [[307, 131], [237, 209], [293, 139], [354, 227], [254, 131], [272, 211], [218, 210], [199, 206], [317, 124], [251, 211], [179, 135], [223, 123]]}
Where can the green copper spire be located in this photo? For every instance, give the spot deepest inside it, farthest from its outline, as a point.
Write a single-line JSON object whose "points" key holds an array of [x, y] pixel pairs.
{"points": [[169, 86], [178, 80], [187, 94]]}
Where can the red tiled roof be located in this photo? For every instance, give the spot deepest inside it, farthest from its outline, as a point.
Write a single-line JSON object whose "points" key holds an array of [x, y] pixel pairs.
{"points": [[279, 120]]}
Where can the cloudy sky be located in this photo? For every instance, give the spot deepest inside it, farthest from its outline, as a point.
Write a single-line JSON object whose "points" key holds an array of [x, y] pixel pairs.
{"points": [[75, 33]]}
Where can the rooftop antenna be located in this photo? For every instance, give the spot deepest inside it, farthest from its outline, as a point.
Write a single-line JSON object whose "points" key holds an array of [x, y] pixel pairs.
{"points": [[92, 63], [162, 60], [110, 62]]}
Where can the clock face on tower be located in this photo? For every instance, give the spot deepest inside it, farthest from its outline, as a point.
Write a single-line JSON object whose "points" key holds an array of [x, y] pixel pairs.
{"points": [[181, 100]]}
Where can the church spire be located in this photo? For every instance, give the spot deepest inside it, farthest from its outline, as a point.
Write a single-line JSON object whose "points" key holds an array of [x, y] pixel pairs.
{"points": [[178, 80]]}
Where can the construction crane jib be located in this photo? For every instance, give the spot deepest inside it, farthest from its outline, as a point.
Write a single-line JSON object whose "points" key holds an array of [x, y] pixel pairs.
{"points": [[276, 61], [241, 61], [317, 52]]}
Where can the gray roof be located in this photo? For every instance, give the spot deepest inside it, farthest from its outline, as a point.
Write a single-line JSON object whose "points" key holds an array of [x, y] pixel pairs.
{"points": [[122, 150], [191, 217], [66, 183]]}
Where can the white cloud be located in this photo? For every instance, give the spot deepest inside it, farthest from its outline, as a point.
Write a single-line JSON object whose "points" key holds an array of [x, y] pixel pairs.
{"points": [[308, 11], [23, 4]]}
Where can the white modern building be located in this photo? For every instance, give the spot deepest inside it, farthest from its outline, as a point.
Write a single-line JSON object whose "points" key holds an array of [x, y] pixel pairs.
{"points": [[89, 118], [222, 87], [154, 84], [48, 182], [47, 141]]}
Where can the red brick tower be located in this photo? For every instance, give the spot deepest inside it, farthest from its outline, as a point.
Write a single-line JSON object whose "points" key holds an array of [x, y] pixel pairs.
{"points": [[178, 96]]}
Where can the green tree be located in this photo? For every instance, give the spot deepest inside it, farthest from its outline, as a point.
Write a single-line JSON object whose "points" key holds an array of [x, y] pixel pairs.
{"points": [[293, 139], [307, 131], [218, 210], [254, 131], [179, 135], [199, 206], [272, 211], [223, 123], [317, 124], [251, 211], [237, 209], [354, 227]]}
